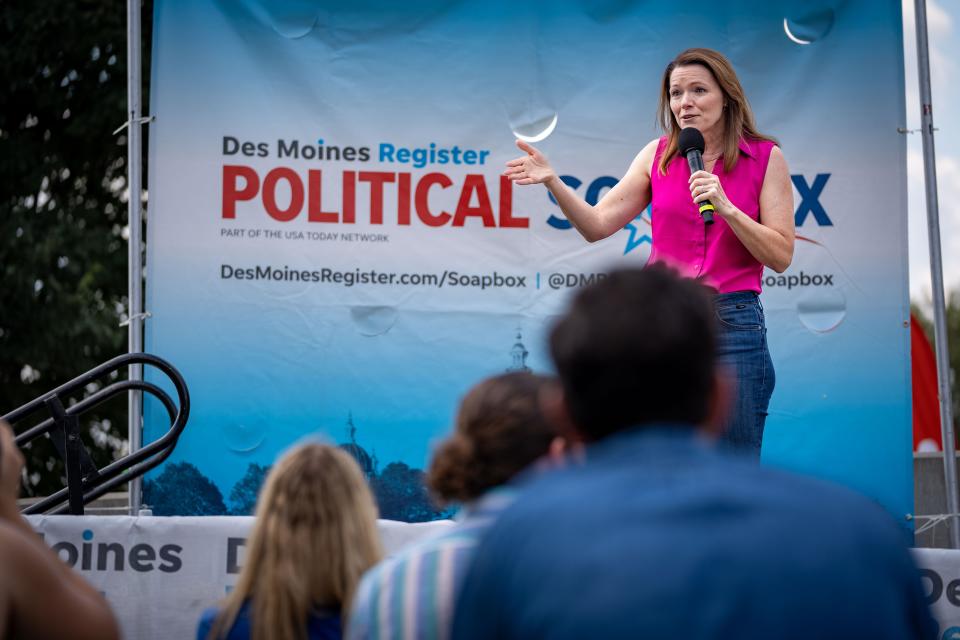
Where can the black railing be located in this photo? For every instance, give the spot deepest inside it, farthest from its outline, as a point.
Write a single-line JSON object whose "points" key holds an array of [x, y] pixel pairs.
{"points": [[85, 482]]}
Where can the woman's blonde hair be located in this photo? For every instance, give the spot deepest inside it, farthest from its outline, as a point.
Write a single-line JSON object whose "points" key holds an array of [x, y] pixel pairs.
{"points": [[314, 536], [738, 122]]}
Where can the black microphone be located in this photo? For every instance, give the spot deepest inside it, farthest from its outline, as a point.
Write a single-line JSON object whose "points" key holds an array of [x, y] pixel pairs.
{"points": [[691, 145]]}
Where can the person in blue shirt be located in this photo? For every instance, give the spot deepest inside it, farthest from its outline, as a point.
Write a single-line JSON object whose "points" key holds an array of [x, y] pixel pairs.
{"points": [[314, 534], [659, 534]]}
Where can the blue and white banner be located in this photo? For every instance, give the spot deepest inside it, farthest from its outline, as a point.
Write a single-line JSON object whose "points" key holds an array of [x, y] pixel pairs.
{"points": [[332, 250], [159, 574], [940, 574]]}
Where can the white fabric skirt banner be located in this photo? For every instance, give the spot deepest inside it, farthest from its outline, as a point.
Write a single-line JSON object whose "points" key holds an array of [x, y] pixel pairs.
{"points": [[332, 249], [940, 571], [160, 573]]}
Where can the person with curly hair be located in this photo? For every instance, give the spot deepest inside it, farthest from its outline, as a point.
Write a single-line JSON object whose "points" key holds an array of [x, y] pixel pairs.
{"points": [[499, 433]]}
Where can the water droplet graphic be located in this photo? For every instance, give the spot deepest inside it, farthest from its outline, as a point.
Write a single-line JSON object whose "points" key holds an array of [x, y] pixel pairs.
{"points": [[374, 321], [293, 19], [822, 311], [606, 10], [536, 130], [810, 26], [243, 438]]}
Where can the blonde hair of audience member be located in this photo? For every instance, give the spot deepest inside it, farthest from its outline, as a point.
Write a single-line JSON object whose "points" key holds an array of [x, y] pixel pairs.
{"points": [[315, 534]]}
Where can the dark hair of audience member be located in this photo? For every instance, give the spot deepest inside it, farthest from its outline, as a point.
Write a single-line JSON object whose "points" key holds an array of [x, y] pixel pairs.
{"points": [[499, 431], [636, 348]]}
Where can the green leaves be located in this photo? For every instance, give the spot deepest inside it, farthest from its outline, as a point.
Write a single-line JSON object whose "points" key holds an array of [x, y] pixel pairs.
{"points": [[63, 259]]}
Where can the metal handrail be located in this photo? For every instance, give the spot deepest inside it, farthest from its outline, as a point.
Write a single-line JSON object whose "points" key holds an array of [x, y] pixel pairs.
{"points": [[87, 484]]}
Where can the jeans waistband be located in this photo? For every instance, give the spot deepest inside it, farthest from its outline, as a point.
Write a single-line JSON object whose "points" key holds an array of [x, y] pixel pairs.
{"points": [[735, 297]]}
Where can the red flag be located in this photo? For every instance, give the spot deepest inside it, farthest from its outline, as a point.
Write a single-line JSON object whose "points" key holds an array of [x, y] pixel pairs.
{"points": [[926, 405]]}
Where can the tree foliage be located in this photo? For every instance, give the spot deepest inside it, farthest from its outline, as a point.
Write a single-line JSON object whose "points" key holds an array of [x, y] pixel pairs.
{"points": [[243, 496], [63, 252], [181, 490], [401, 494]]}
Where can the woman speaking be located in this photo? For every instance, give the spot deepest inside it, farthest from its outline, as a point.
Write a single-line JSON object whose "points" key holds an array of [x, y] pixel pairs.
{"points": [[745, 178]]}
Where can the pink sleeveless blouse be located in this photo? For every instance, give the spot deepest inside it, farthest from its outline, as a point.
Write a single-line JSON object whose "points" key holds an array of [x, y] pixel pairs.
{"points": [[710, 253]]}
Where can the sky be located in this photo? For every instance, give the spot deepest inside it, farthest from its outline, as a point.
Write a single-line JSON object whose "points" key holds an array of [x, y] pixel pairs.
{"points": [[943, 22]]}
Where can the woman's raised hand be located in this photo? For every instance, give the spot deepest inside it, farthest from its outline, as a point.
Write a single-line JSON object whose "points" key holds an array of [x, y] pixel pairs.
{"points": [[531, 168]]}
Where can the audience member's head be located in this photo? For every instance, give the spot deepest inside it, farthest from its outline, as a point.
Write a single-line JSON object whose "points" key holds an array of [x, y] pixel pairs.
{"points": [[636, 348], [40, 596], [499, 431], [314, 536], [656, 519]]}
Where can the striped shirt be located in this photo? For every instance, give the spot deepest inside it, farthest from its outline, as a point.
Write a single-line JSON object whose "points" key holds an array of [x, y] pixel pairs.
{"points": [[411, 595]]}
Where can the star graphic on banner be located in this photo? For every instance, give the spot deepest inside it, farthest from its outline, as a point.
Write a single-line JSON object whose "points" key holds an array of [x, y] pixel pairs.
{"points": [[637, 237]]}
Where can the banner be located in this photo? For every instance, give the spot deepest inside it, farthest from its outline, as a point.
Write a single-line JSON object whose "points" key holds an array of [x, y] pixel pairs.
{"points": [[940, 573], [159, 574], [332, 249]]}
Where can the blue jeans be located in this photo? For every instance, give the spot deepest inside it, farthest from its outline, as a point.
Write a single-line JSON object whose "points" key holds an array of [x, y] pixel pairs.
{"points": [[742, 350]]}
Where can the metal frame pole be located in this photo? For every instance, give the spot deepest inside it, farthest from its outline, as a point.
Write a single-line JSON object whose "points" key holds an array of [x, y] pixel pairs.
{"points": [[936, 274], [134, 213]]}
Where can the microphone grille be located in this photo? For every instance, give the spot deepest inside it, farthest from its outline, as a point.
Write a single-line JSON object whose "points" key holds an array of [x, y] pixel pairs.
{"points": [[690, 139]]}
